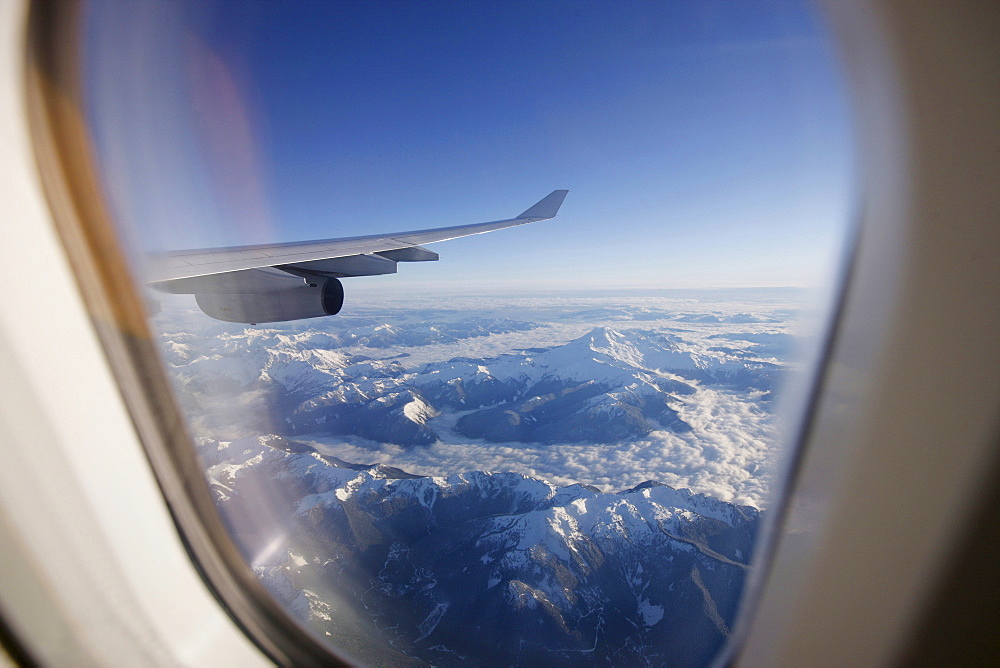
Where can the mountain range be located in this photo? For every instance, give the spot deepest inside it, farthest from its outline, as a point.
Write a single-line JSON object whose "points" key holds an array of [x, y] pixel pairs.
{"points": [[478, 567], [605, 386], [485, 568]]}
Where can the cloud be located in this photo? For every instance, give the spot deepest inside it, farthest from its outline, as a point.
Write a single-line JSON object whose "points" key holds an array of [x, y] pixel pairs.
{"points": [[729, 452]]}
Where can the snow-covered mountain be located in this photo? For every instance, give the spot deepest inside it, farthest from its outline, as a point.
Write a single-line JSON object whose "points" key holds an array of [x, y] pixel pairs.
{"points": [[486, 568], [605, 386], [466, 566]]}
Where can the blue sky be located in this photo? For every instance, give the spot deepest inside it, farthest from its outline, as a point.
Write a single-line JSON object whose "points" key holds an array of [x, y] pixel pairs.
{"points": [[704, 143]]}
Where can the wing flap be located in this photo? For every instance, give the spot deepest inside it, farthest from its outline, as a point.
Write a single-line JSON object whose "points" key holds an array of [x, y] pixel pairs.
{"points": [[352, 265]]}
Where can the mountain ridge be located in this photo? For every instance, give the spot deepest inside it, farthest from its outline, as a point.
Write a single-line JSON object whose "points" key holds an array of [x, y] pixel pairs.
{"points": [[490, 564]]}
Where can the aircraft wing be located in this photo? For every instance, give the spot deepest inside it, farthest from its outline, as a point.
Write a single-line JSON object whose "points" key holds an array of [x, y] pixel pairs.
{"points": [[196, 270]]}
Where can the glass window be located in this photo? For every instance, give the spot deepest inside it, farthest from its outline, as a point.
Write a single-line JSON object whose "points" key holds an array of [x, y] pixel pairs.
{"points": [[556, 444]]}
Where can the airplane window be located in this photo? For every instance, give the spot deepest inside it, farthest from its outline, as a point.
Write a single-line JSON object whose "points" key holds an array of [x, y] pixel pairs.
{"points": [[558, 443]]}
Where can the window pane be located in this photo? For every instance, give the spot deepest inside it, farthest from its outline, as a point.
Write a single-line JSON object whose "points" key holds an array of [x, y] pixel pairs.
{"points": [[556, 444]]}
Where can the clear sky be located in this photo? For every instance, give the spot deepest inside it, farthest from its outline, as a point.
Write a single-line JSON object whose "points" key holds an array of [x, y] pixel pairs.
{"points": [[703, 143]]}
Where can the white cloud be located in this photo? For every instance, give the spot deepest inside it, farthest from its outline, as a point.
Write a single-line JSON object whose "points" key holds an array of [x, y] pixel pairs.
{"points": [[727, 454]]}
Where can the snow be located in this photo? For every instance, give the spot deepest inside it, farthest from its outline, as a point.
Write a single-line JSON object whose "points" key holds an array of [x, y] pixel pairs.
{"points": [[418, 411], [651, 614], [427, 626], [629, 343]]}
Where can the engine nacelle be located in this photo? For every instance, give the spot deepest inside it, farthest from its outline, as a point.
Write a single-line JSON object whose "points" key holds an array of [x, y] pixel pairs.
{"points": [[325, 297]]}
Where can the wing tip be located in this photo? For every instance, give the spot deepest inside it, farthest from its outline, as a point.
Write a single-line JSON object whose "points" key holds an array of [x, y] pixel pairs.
{"points": [[547, 207]]}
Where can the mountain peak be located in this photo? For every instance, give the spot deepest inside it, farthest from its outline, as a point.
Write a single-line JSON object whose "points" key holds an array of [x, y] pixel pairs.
{"points": [[645, 485], [610, 342], [603, 335]]}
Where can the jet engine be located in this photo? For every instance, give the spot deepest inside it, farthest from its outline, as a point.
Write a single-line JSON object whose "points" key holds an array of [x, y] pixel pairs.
{"points": [[313, 300]]}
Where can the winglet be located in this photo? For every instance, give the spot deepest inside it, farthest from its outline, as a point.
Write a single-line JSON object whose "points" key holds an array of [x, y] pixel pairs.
{"points": [[547, 207]]}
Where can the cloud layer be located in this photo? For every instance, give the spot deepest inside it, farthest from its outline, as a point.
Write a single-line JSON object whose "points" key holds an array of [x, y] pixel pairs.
{"points": [[729, 452]]}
